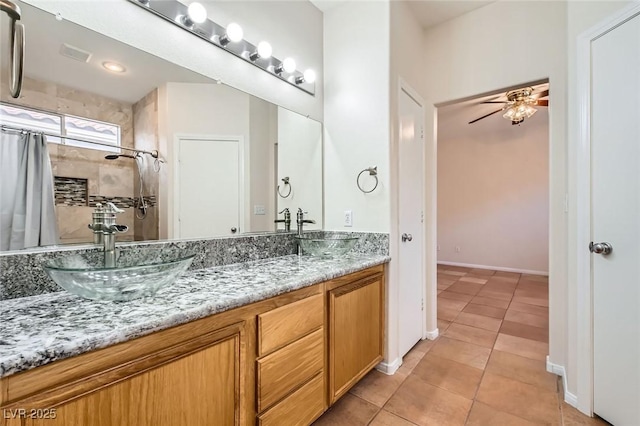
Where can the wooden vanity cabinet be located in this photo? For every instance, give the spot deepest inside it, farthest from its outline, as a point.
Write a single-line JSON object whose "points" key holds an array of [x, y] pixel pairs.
{"points": [[356, 329], [279, 361]]}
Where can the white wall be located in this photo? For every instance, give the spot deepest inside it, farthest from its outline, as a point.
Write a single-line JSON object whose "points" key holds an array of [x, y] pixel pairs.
{"points": [[300, 159], [493, 191], [472, 55], [356, 113], [214, 110], [293, 28]]}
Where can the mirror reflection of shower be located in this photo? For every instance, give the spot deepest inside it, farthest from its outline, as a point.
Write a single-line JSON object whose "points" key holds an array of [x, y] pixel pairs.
{"points": [[141, 204]]}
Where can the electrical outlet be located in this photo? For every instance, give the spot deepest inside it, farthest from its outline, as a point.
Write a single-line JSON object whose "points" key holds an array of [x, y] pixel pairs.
{"points": [[457, 249], [259, 210], [348, 218]]}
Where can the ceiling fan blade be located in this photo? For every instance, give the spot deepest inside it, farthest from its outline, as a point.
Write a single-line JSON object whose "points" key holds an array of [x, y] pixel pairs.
{"points": [[542, 102], [494, 102], [485, 116], [542, 94]]}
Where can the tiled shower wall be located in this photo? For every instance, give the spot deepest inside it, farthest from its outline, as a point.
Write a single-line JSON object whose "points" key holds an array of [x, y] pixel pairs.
{"points": [[113, 179]]}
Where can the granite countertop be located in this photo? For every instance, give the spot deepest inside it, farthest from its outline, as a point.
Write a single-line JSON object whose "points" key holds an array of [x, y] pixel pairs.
{"points": [[41, 329]]}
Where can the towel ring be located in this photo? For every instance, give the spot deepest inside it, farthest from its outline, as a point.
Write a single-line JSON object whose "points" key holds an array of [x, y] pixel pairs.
{"points": [[286, 182], [373, 171]]}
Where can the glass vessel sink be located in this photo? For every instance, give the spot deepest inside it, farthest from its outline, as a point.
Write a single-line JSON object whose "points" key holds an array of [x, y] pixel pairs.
{"points": [[138, 273], [332, 245]]}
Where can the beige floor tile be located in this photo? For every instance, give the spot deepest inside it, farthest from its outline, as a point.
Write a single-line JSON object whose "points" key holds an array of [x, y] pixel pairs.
{"points": [[497, 284], [529, 309], [442, 287], [523, 369], [385, 418], [523, 347], [501, 295], [377, 387], [457, 268], [471, 279], [519, 399], [449, 375], [527, 331], [532, 286], [447, 294], [532, 301], [425, 404], [479, 321], [447, 314], [409, 361], [504, 274], [500, 278], [478, 271], [446, 280], [487, 311], [528, 319], [536, 294], [348, 411], [540, 278], [483, 415], [473, 335], [443, 325], [488, 301], [463, 352], [454, 273], [465, 288], [573, 417], [451, 304]]}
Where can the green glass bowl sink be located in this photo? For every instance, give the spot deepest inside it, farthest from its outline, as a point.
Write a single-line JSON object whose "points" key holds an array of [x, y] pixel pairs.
{"points": [[329, 246], [138, 273]]}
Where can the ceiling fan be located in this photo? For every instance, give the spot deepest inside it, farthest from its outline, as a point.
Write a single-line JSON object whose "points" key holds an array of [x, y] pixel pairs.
{"points": [[519, 105]]}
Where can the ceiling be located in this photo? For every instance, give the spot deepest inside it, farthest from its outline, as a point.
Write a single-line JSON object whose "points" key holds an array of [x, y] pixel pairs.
{"points": [[43, 61], [454, 119], [428, 12]]}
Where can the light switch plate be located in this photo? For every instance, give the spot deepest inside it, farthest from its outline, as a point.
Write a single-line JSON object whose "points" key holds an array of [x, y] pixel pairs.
{"points": [[348, 218], [259, 210]]}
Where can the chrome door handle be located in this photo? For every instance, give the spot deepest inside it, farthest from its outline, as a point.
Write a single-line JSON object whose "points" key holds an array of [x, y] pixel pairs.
{"points": [[234, 230], [406, 237], [600, 248]]}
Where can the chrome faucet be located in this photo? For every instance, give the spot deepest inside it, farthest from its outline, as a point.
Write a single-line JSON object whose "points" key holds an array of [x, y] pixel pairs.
{"points": [[104, 229], [300, 220], [286, 220]]}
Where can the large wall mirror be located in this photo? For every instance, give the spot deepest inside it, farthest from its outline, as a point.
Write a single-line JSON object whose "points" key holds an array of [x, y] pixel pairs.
{"points": [[228, 161]]}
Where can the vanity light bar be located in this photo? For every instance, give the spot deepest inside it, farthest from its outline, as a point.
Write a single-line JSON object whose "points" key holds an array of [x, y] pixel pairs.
{"points": [[178, 14]]}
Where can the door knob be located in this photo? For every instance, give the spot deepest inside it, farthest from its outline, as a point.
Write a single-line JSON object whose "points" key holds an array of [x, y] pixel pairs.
{"points": [[234, 230], [600, 248], [406, 237]]}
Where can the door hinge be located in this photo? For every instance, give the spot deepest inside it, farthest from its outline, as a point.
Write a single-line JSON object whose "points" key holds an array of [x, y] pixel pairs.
{"points": [[421, 132], [422, 304], [422, 217]]}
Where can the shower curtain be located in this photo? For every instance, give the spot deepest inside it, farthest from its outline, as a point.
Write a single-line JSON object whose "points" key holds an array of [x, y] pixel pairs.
{"points": [[27, 207]]}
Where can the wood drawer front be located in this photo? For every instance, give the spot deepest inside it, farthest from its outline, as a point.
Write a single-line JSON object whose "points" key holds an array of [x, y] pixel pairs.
{"points": [[300, 408], [284, 370], [288, 323]]}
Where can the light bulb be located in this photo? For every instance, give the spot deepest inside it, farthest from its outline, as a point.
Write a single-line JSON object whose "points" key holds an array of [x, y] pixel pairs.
{"points": [[264, 50], [197, 13], [309, 76], [234, 32], [289, 65]]}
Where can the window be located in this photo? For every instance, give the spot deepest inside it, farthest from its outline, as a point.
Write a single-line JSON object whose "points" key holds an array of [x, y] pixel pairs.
{"points": [[80, 131]]}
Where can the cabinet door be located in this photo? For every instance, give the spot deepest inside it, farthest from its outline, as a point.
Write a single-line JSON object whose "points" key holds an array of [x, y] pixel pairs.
{"points": [[198, 389], [355, 333]]}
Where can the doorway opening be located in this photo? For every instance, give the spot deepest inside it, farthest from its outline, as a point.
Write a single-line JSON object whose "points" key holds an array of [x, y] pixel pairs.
{"points": [[493, 223]]}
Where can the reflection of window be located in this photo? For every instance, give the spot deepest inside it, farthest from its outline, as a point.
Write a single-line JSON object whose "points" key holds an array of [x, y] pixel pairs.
{"points": [[63, 125]]}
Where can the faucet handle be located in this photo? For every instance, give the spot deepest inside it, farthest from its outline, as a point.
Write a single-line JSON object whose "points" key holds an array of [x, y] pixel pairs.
{"points": [[112, 208], [285, 211]]}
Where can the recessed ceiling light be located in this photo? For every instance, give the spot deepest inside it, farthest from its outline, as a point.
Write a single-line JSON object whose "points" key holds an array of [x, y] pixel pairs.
{"points": [[114, 67]]}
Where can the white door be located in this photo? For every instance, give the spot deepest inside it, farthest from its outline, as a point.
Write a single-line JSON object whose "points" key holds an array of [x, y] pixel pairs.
{"points": [[208, 187], [615, 180], [411, 196]]}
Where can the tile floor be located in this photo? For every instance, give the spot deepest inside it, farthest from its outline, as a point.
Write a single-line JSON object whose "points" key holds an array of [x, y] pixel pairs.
{"points": [[487, 368]]}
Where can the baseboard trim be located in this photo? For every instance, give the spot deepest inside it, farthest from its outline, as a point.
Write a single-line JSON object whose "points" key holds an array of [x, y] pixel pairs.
{"points": [[495, 268], [559, 370], [389, 368], [432, 335]]}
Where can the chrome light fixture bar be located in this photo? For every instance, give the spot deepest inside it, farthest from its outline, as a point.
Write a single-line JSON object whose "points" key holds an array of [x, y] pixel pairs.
{"points": [[227, 39]]}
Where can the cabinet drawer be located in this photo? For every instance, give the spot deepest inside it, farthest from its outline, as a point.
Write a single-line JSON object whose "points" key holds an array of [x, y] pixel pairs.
{"points": [[300, 408], [284, 370], [288, 323]]}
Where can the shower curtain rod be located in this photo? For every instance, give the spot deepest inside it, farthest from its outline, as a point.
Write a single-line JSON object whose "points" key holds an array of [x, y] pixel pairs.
{"points": [[4, 127]]}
